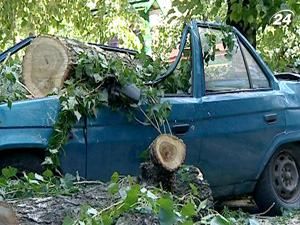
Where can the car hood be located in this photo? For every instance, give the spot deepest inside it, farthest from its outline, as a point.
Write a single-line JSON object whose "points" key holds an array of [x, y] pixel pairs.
{"points": [[33, 113]]}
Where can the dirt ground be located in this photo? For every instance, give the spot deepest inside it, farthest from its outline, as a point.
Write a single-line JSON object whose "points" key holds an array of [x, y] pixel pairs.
{"points": [[248, 206], [52, 210]]}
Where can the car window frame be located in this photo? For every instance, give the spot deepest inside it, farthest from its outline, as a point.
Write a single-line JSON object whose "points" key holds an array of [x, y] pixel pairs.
{"points": [[247, 66], [239, 42], [186, 95]]}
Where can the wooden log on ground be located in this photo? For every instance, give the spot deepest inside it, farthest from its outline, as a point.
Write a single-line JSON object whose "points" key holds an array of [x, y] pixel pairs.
{"points": [[168, 151], [165, 169]]}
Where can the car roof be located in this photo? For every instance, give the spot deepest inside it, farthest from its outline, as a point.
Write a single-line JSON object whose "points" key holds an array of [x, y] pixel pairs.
{"points": [[25, 42]]}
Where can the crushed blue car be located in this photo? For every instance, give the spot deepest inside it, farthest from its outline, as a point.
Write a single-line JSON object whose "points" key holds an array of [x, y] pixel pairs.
{"points": [[239, 121]]}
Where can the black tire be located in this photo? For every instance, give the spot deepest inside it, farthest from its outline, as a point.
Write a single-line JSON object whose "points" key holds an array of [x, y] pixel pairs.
{"points": [[279, 183], [23, 160]]}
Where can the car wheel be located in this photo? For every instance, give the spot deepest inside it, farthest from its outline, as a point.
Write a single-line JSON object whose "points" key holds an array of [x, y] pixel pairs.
{"points": [[23, 161], [279, 186]]}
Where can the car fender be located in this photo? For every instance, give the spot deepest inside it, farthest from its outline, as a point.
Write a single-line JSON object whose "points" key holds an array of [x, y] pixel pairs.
{"points": [[26, 138], [281, 139]]}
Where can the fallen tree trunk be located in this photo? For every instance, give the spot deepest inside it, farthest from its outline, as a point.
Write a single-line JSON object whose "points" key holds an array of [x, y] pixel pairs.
{"points": [[52, 210], [50, 60]]}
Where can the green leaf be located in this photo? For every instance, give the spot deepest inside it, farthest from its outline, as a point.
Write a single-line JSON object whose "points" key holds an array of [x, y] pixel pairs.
{"points": [[115, 177], [103, 96], [47, 161], [33, 182], [9, 172], [220, 220], [48, 173], [188, 210], [253, 221], [166, 217], [68, 221], [38, 177], [78, 115], [92, 211], [97, 78], [151, 195], [166, 202], [113, 188], [106, 219], [188, 222], [53, 151], [194, 189], [10, 77], [67, 181], [132, 195], [166, 212]]}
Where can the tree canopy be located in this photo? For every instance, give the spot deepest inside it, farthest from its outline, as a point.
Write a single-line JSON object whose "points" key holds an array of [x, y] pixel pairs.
{"points": [[101, 20], [75, 18]]}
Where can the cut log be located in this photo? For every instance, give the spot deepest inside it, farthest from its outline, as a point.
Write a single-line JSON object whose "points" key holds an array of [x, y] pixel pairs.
{"points": [[7, 215], [168, 152], [49, 60]]}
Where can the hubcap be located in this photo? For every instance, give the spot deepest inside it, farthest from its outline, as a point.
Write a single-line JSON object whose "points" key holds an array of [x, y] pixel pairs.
{"points": [[285, 176]]}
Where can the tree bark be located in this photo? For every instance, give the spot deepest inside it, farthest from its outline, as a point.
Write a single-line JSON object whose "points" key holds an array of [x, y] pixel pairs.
{"points": [[168, 151], [7, 215], [165, 169], [49, 61]]}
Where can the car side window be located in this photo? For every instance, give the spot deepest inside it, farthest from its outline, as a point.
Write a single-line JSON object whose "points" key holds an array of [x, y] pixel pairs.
{"points": [[258, 78], [179, 83], [224, 70]]}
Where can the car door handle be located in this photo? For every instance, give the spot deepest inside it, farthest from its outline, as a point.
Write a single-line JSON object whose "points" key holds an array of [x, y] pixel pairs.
{"points": [[270, 118], [180, 128]]}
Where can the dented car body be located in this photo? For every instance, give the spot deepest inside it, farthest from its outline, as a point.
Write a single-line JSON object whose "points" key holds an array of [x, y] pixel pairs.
{"points": [[232, 126]]}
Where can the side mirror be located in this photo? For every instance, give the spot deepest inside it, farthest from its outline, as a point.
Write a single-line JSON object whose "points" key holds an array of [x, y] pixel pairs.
{"points": [[132, 92]]}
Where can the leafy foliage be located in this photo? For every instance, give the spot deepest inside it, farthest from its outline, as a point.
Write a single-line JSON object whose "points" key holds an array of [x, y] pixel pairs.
{"points": [[134, 198], [257, 13], [96, 83], [281, 44], [110, 18], [252, 19], [11, 87], [14, 185]]}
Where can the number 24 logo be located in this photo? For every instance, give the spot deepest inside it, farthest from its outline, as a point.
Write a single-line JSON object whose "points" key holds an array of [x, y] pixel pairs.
{"points": [[283, 17]]}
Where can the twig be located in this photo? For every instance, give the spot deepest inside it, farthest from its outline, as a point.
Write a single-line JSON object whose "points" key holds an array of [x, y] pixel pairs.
{"points": [[167, 122], [150, 120], [164, 126], [58, 172], [6, 59], [156, 121], [109, 207], [165, 119], [265, 212], [141, 122], [90, 182], [95, 89], [23, 86], [153, 100]]}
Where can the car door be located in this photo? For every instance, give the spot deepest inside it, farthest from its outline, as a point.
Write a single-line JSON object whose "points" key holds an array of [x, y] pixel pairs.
{"points": [[242, 113], [115, 143]]}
